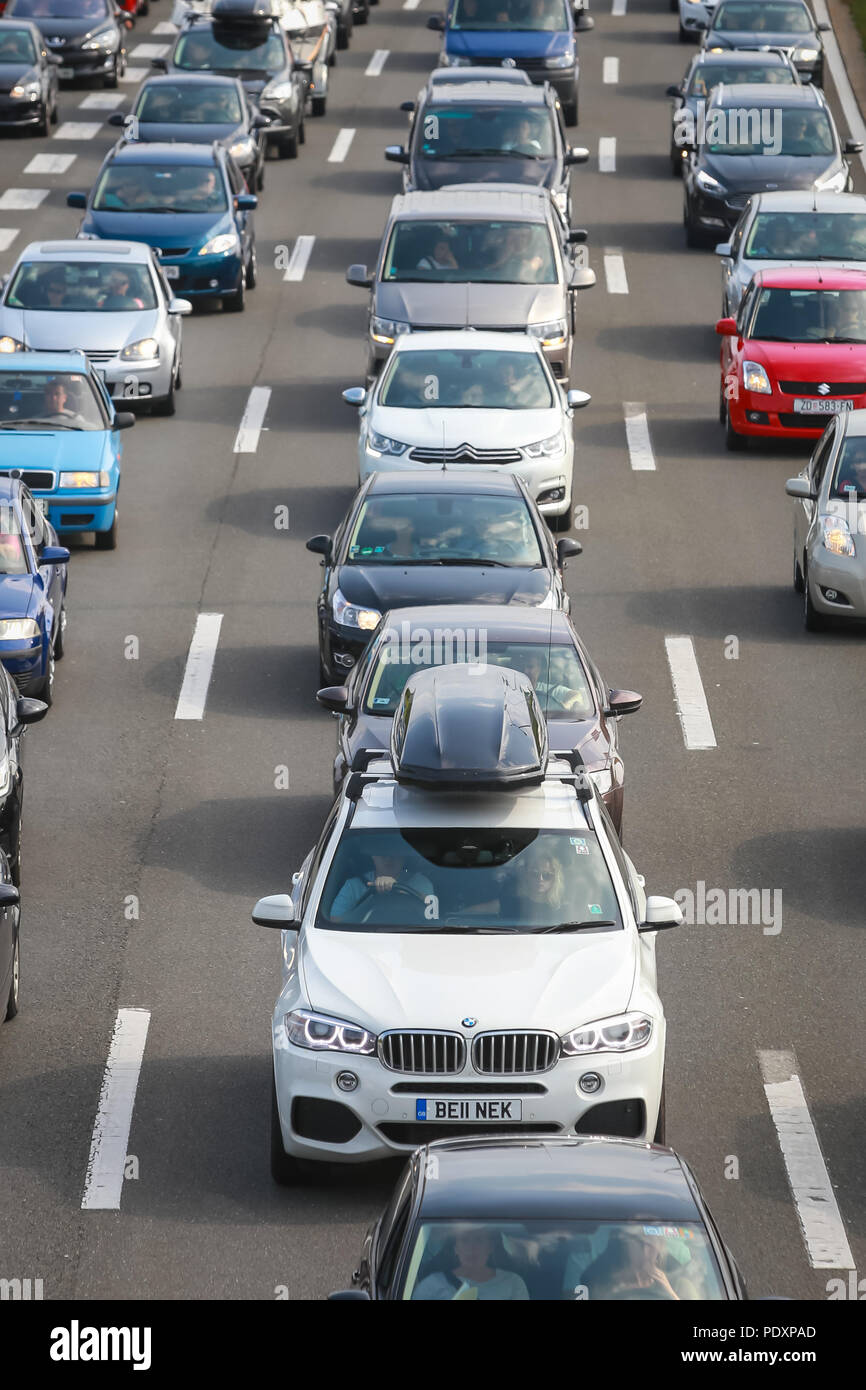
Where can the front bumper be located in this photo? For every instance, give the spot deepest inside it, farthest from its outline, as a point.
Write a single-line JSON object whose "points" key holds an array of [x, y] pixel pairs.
{"points": [[25, 661], [844, 575], [19, 114], [149, 380], [80, 64], [344, 647], [716, 214], [772, 416], [79, 510], [203, 277], [380, 1117], [548, 480]]}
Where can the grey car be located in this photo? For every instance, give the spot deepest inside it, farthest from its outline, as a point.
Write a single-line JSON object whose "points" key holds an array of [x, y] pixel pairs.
{"points": [[703, 75], [830, 524], [787, 24], [496, 257], [791, 229]]}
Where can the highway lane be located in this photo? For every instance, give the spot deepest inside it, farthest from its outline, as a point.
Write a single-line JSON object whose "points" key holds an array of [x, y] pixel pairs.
{"points": [[122, 799]]}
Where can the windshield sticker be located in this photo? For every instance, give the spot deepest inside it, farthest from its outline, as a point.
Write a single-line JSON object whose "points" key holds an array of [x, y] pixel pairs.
{"points": [[580, 846], [595, 909]]}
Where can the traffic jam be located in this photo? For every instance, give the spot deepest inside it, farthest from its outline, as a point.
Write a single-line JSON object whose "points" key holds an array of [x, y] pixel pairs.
{"points": [[479, 606]]}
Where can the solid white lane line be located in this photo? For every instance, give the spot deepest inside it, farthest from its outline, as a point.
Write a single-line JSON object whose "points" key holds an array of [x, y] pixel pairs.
{"points": [[135, 74], [618, 7], [610, 70], [640, 449], [247, 439], [691, 702], [377, 62], [102, 101], [7, 236], [103, 1183], [818, 1211], [341, 145], [50, 163], [199, 666], [607, 154], [299, 258], [149, 50], [614, 271], [77, 130], [22, 199], [847, 100]]}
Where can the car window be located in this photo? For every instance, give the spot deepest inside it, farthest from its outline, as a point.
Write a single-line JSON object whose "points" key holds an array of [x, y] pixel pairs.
{"points": [[17, 46], [467, 380], [59, 9], [13, 555], [392, 1227], [236, 178], [451, 529], [187, 104], [236, 50], [737, 233], [58, 400], [763, 17], [76, 287], [455, 132], [140, 188], [753, 130], [808, 236], [318, 854], [809, 316], [460, 252], [819, 460], [532, 15], [706, 76], [849, 476]]}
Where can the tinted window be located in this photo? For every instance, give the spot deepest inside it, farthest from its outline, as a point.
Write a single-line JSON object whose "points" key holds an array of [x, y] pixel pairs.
{"points": [[548, 15], [751, 131], [765, 17], [60, 9], [459, 252], [466, 380], [137, 188], [235, 50], [81, 287], [451, 132], [708, 75], [808, 236], [17, 46], [447, 529], [810, 316], [61, 400], [184, 104]]}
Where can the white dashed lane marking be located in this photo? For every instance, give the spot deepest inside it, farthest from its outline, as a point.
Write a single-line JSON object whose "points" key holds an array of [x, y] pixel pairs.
{"points": [[607, 154], [199, 666], [341, 145], [610, 70], [377, 62], [77, 130], [109, 1144], [7, 236], [247, 439], [50, 164], [299, 259], [149, 50], [691, 702], [135, 74], [640, 449], [102, 101], [614, 271], [22, 199]]}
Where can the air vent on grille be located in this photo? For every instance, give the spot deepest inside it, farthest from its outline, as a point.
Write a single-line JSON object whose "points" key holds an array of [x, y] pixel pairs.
{"points": [[100, 355], [510, 1054], [422, 1053], [37, 481], [465, 453], [813, 388]]}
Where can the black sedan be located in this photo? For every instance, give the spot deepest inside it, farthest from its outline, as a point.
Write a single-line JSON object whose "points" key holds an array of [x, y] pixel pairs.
{"points": [[581, 710], [88, 36], [787, 24], [703, 75], [488, 131], [16, 711], [199, 109], [10, 957], [546, 1219], [28, 78], [412, 540]]}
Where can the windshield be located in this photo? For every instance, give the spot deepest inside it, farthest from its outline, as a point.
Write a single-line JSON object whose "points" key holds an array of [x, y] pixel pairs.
{"points": [[755, 131], [81, 287], [466, 380], [810, 316], [708, 75], [447, 132], [765, 17], [495, 253], [60, 9], [550, 15], [560, 1260], [16, 46], [184, 104], [504, 879], [807, 236], [230, 50], [849, 479], [50, 400], [556, 671], [446, 529], [139, 188]]}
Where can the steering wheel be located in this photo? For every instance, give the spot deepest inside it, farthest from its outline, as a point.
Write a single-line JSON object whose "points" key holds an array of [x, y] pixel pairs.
{"points": [[403, 888]]}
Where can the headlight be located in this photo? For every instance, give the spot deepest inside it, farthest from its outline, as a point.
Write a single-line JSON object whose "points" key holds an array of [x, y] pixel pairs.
{"points": [[551, 334], [564, 60], [447, 60], [243, 147], [755, 378], [835, 183], [386, 330], [18, 629], [277, 91], [837, 536], [106, 38], [27, 90], [621, 1034], [221, 245], [136, 352], [805, 55], [545, 448], [350, 615], [85, 479], [708, 183], [321, 1033], [603, 782], [380, 444], [8, 344]]}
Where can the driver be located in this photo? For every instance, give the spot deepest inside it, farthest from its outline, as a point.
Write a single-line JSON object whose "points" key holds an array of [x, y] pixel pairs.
{"points": [[628, 1268], [55, 410], [389, 873], [546, 690], [522, 138]]}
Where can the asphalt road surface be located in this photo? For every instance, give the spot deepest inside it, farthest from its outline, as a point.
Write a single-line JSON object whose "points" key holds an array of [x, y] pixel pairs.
{"points": [[126, 802]]}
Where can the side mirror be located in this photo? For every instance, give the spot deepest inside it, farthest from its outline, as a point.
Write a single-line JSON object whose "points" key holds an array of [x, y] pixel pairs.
{"points": [[661, 913], [727, 328], [567, 547], [396, 154], [582, 278], [334, 697], [723, 248], [160, 64], [357, 275], [349, 1296], [824, 27], [802, 488], [76, 200], [54, 555], [276, 911], [577, 399], [578, 154], [30, 711], [246, 202], [123, 420], [623, 702], [320, 545], [673, 91], [578, 236], [355, 395], [117, 118], [260, 120], [436, 22], [853, 146], [584, 22], [179, 306], [9, 895], [407, 106]]}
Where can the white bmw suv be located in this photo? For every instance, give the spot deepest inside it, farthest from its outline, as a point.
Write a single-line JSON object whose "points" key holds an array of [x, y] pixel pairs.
{"points": [[468, 949]]}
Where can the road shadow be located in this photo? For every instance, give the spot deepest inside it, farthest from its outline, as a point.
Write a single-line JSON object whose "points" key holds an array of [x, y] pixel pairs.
{"points": [[758, 613], [312, 508]]}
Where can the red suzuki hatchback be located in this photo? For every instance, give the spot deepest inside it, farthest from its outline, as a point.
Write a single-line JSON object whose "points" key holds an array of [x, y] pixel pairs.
{"points": [[794, 355]]}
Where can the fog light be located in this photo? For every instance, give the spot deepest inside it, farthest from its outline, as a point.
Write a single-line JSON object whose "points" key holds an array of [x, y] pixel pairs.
{"points": [[213, 284], [144, 388], [835, 596], [551, 494], [347, 1081], [343, 659], [590, 1082]]}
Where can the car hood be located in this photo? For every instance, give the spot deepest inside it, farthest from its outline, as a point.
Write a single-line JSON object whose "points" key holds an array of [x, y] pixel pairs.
{"points": [[189, 134], [59, 332], [411, 586], [430, 174], [806, 361], [162, 229], [374, 731], [10, 73], [485, 429], [60, 449], [423, 980], [70, 29], [746, 173], [518, 43], [16, 591], [427, 303]]}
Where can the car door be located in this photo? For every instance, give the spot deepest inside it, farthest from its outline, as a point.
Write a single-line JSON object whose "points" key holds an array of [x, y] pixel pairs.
{"points": [[730, 264], [237, 185], [41, 533]]}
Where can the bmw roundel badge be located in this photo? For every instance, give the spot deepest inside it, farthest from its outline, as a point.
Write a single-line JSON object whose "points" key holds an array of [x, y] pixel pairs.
{"points": [[468, 1022]]}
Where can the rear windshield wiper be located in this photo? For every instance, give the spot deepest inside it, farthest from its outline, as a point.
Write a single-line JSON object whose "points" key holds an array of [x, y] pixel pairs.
{"points": [[576, 926]]}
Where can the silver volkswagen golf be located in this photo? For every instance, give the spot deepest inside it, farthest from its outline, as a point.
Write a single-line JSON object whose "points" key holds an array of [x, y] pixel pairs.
{"points": [[830, 524], [108, 299]]}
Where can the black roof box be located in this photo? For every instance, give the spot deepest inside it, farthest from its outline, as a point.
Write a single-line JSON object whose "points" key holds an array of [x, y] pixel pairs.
{"points": [[469, 726], [253, 12]]}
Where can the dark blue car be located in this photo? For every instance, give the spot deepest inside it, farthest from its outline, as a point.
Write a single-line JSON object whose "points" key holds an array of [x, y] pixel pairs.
{"points": [[32, 591], [189, 201], [536, 35]]}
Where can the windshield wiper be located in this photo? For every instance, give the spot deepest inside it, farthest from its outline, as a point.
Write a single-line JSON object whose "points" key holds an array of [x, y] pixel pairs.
{"points": [[774, 338], [471, 560], [843, 340], [576, 926]]}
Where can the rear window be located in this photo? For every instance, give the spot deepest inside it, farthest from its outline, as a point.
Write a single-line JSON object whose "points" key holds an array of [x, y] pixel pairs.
{"points": [[462, 252], [59, 9]]}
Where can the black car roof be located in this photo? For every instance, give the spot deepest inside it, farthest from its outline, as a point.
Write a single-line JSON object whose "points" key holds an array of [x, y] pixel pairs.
{"points": [[525, 1178], [501, 622], [444, 481]]}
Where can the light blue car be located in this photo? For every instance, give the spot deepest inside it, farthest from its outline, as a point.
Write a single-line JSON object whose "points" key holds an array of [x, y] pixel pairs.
{"points": [[58, 425]]}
